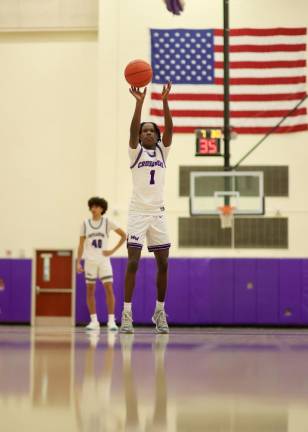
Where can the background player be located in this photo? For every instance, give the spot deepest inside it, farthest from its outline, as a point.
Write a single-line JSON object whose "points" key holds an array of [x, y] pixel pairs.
{"points": [[147, 212], [93, 245]]}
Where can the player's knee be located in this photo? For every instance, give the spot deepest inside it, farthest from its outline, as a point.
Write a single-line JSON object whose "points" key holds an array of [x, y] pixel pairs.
{"points": [[162, 265], [132, 265]]}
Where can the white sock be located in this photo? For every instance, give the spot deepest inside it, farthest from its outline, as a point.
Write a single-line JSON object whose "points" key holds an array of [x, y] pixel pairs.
{"points": [[93, 318], [127, 307], [111, 319], [160, 305]]}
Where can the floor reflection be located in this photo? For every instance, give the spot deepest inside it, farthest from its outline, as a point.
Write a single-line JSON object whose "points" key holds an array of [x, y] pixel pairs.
{"points": [[52, 374], [94, 408], [97, 408], [193, 380], [158, 420]]}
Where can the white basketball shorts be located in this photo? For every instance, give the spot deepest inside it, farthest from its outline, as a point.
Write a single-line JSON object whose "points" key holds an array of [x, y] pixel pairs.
{"points": [[152, 228], [98, 270]]}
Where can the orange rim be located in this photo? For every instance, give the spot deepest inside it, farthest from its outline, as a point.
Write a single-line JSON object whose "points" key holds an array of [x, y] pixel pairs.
{"points": [[226, 210]]}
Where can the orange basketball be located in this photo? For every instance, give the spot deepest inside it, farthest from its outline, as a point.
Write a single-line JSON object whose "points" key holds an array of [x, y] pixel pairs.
{"points": [[138, 73]]}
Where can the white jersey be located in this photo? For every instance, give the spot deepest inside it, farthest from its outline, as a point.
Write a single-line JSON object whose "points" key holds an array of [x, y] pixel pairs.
{"points": [[148, 171], [96, 234]]}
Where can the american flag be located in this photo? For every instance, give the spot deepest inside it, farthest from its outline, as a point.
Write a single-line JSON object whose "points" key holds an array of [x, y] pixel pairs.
{"points": [[267, 78]]}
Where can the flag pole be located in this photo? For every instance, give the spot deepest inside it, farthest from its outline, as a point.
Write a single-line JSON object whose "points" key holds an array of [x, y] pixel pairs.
{"points": [[226, 38]]}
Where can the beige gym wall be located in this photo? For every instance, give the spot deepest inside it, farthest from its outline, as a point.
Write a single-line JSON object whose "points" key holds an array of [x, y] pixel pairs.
{"points": [[65, 112], [47, 137]]}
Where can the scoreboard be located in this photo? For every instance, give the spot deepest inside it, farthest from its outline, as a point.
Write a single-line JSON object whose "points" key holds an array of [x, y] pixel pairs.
{"points": [[208, 142]]}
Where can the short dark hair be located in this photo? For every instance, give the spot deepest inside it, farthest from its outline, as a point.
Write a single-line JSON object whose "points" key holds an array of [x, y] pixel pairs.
{"points": [[98, 202], [156, 128]]}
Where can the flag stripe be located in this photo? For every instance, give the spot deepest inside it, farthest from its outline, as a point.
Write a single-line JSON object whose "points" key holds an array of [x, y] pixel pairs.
{"points": [[279, 31], [235, 122], [234, 106], [263, 73], [263, 56], [251, 40], [247, 130], [262, 48], [263, 81], [239, 89], [234, 97], [264, 65], [233, 113]]}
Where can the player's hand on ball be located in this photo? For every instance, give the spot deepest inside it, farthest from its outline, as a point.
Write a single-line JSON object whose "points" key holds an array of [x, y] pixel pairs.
{"points": [[166, 90], [107, 253], [138, 95], [79, 268]]}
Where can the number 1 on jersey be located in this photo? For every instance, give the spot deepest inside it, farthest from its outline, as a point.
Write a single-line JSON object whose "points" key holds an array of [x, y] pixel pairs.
{"points": [[152, 177]]}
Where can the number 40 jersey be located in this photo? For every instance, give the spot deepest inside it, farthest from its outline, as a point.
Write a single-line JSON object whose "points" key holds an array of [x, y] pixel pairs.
{"points": [[96, 234], [148, 170]]}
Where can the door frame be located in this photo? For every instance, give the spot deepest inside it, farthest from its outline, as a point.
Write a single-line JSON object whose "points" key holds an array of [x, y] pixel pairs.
{"points": [[33, 288]]}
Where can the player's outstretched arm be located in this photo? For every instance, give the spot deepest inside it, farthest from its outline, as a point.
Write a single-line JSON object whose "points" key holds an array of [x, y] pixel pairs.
{"points": [[168, 132], [135, 124]]}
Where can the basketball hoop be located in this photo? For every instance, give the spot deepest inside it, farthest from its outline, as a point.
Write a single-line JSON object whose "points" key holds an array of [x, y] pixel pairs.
{"points": [[226, 214]]}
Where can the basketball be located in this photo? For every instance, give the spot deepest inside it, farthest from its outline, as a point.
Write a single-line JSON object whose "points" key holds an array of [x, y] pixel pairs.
{"points": [[138, 73]]}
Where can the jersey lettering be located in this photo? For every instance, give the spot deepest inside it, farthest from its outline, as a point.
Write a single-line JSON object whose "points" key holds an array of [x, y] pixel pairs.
{"points": [[148, 172]]}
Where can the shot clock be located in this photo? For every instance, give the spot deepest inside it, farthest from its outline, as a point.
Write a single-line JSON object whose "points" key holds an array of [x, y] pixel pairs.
{"points": [[208, 142]]}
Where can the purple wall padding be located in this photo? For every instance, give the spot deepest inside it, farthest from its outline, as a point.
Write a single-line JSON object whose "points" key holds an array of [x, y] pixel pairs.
{"points": [[245, 291], [5, 275], [290, 290], [214, 291], [178, 298], [20, 304], [220, 292], [201, 291], [268, 291], [15, 299], [304, 299], [199, 282]]}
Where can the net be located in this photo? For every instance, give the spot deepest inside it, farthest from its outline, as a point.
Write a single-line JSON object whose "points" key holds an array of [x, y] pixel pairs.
{"points": [[226, 214]]}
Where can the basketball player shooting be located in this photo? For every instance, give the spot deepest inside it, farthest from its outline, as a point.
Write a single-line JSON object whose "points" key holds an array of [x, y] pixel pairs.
{"points": [[146, 220]]}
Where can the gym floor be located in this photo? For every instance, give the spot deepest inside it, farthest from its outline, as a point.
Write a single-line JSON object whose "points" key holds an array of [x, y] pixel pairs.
{"points": [[195, 379]]}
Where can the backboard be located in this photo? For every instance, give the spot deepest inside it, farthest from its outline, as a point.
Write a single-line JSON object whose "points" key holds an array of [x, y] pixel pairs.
{"points": [[211, 190]]}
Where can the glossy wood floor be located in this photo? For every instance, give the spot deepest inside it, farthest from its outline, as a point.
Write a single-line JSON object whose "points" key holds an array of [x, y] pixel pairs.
{"points": [[195, 380]]}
